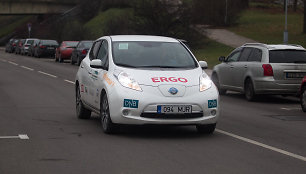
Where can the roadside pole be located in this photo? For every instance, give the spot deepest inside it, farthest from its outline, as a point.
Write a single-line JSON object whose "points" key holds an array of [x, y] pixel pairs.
{"points": [[286, 28], [29, 29]]}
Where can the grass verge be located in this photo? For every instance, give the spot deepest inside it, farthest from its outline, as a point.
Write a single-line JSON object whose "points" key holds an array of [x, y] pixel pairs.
{"points": [[267, 26]]}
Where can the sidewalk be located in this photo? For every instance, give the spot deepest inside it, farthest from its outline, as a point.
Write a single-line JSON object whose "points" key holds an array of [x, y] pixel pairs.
{"points": [[224, 36]]}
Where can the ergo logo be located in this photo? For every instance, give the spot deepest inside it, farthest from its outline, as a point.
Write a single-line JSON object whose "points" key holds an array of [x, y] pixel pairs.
{"points": [[169, 79]]}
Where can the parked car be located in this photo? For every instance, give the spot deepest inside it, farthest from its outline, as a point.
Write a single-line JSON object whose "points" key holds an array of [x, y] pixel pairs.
{"points": [[8, 46], [12, 45], [45, 48], [64, 51], [303, 94], [25, 48], [80, 51], [32, 47], [19, 46], [256, 68], [145, 80]]}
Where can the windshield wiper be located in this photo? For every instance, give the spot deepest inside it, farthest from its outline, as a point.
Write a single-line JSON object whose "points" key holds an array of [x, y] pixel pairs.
{"points": [[159, 66], [126, 65], [300, 61]]}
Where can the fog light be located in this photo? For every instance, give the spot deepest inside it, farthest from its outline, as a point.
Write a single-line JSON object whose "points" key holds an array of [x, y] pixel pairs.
{"points": [[125, 112], [213, 112]]}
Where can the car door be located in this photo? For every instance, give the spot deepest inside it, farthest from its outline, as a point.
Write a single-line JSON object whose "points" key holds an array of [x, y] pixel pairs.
{"points": [[97, 74], [87, 85], [225, 76], [240, 68]]}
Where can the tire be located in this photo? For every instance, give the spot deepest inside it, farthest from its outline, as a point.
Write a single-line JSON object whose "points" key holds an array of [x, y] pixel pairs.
{"points": [[78, 61], [249, 90], [206, 128], [81, 111], [60, 58], [107, 125], [303, 99], [215, 79], [72, 62]]}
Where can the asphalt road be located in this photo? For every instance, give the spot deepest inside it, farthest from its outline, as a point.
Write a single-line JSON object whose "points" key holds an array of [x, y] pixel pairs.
{"points": [[37, 101]]}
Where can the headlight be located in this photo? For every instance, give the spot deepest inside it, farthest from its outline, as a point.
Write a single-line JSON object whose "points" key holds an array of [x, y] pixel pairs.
{"points": [[205, 82], [127, 81]]}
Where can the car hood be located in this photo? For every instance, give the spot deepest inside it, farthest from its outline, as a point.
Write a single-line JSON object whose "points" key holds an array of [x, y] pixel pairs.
{"points": [[154, 77]]}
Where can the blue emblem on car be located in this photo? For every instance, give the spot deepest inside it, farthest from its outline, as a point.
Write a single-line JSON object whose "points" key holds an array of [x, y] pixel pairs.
{"points": [[173, 91]]}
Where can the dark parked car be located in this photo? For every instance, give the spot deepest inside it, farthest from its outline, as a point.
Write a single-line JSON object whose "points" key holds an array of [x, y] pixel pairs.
{"points": [[80, 51], [8, 46], [303, 94], [19, 46], [25, 48], [11, 46], [64, 50], [46, 48], [32, 47]]}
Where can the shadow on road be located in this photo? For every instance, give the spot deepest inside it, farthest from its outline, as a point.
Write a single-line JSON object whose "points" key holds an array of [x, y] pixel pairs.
{"points": [[269, 99]]}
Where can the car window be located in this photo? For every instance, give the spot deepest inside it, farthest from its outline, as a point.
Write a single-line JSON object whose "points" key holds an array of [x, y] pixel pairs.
{"points": [[103, 53], [72, 44], [287, 56], [146, 54], [256, 55], [233, 57], [245, 54], [94, 50]]}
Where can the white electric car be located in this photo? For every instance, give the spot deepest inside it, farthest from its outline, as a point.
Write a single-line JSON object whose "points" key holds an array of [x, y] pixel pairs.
{"points": [[132, 79]]}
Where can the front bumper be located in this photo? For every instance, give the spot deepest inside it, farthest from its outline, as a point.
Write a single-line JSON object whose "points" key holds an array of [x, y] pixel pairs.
{"points": [[151, 97]]}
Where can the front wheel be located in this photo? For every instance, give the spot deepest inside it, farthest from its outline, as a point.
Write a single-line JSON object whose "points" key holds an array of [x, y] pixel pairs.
{"points": [[303, 99], [216, 81], [206, 128], [81, 111], [107, 125]]}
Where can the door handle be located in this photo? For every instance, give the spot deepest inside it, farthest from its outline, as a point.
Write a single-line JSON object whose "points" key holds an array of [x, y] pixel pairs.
{"points": [[89, 72], [82, 66], [231, 66], [245, 66]]}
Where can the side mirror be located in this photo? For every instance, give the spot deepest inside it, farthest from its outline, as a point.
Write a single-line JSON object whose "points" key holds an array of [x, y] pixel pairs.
{"points": [[203, 64], [222, 59], [96, 63]]}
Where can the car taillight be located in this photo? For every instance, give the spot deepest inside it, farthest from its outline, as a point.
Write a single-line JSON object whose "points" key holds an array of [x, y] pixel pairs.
{"points": [[268, 70], [84, 51], [14, 44], [42, 46]]}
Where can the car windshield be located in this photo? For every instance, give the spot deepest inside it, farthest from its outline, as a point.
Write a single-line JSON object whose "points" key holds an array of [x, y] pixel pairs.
{"points": [[49, 42], [71, 44], [152, 55], [287, 56], [29, 42], [87, 44]]}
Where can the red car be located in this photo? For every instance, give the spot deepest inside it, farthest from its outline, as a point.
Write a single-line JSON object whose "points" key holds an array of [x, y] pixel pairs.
{"points": [[64, 51], [303, 94]]}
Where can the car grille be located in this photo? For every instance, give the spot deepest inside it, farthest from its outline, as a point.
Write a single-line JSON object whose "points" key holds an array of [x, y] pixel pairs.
{"points": [[171, 116]]}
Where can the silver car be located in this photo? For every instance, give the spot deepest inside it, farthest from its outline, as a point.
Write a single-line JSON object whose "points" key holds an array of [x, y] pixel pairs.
{"points": [[256, 68]]}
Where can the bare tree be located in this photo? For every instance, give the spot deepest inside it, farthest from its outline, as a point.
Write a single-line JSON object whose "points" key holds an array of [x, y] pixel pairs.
{"points": [[295, 5], [304, 30]]}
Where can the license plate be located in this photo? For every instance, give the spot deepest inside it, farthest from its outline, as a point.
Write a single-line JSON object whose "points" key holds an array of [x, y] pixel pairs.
{"points": [[50, 48], [174, 109], [295, 75]]}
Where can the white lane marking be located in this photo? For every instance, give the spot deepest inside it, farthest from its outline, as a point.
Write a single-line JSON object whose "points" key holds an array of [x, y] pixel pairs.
{"points": [[20, 136], [262, 145], [69, 81], [13, 63], [289, 109], [41, 72], [27, 68]]}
